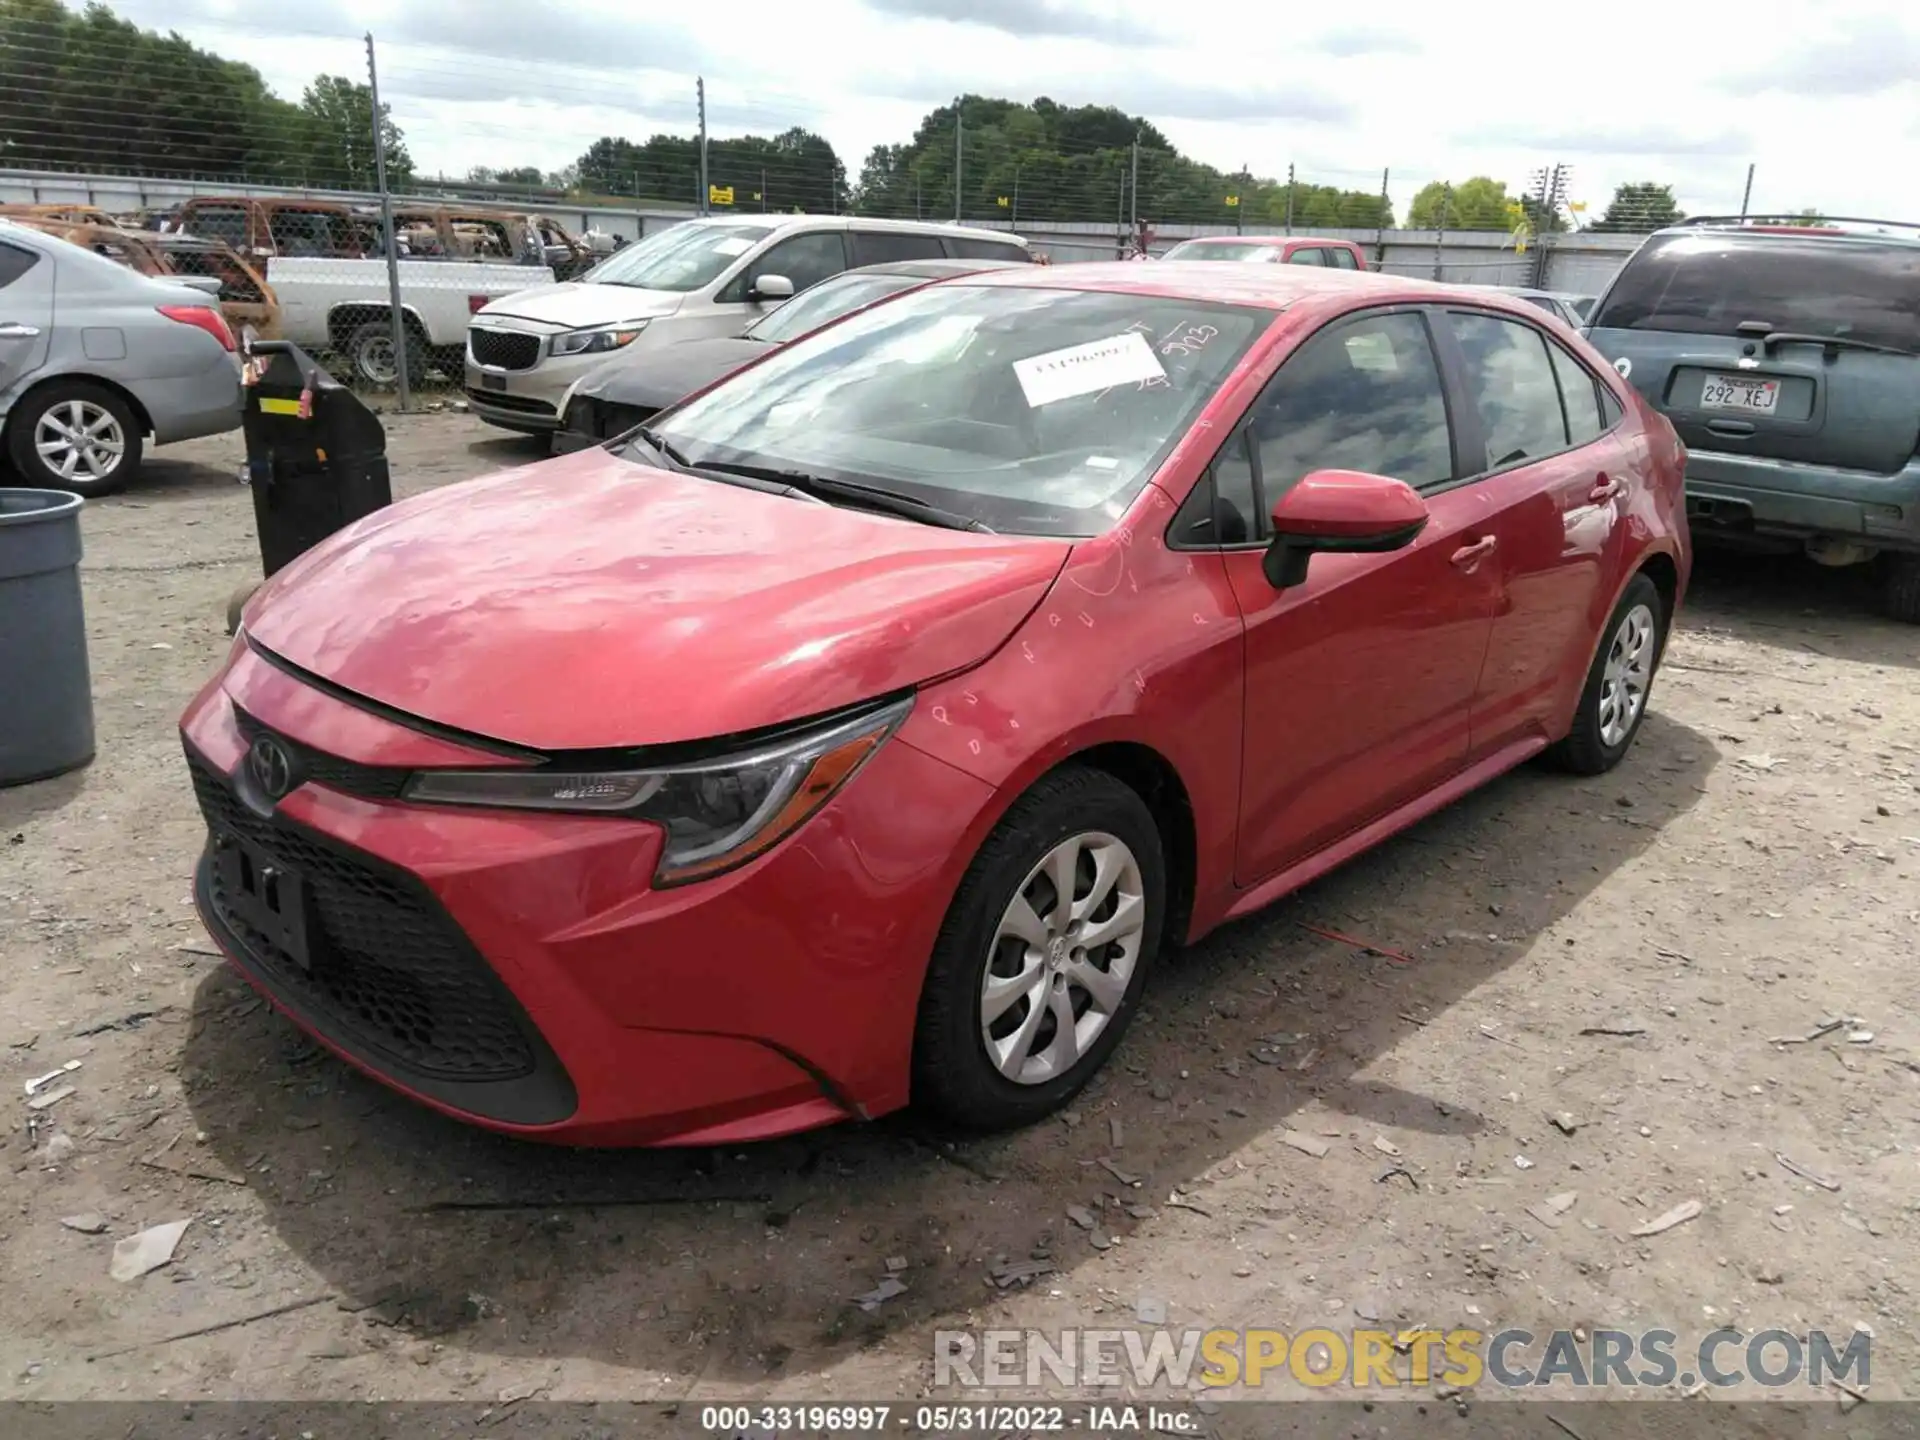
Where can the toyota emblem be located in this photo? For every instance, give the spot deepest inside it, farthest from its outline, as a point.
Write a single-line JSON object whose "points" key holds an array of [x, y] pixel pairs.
{"points": [[270, 766]]}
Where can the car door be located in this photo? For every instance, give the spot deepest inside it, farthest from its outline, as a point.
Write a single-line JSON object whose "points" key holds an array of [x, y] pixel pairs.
{"points": [[1557, 484], [1359, 681], [26, 312]]}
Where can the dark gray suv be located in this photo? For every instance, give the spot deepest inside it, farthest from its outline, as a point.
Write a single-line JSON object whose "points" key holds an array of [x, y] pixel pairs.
{"points": [[1787, 357]]}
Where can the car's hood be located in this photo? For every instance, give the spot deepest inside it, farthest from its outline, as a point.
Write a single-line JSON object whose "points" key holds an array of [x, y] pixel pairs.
{"points": [[659, 377], [589, 602], [571, 304]]}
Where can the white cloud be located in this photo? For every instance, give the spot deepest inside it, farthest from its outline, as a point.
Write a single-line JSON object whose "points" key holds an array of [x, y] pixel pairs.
{"points": [[1823, 106]]}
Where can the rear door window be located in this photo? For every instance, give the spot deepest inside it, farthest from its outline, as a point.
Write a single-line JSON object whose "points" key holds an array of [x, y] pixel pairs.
{"points": [[1708, 284], [15, 261], [962, 247], [1341, 258], [1308, 255], [1579, 393], [1513, 383], [883, 247]]}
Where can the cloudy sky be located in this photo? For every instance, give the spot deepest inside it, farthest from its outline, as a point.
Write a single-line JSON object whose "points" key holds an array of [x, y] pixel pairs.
{"points": [[1824, 101]]}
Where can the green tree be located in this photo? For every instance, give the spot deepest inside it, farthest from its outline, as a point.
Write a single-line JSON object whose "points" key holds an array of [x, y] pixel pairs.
{"points": [[1639, 209], [1481, 203], [794, 169], [339, 137]]}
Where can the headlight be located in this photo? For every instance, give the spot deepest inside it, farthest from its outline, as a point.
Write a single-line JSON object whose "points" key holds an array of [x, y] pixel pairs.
{"points": [[598, 340], [717, 813]]}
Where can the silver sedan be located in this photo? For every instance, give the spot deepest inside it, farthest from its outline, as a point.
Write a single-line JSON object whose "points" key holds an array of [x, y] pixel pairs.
{"points": [[94, 359]]}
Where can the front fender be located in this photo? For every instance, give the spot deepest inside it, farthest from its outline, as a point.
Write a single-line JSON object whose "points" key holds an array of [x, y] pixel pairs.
{"points": [[1132, 644]]}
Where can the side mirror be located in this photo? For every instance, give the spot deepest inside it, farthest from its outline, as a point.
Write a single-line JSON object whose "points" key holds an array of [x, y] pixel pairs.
{"points": [[1343, 511], [770, 287]]}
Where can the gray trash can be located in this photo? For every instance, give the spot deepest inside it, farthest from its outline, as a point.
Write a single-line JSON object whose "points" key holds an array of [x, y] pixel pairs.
{"points": [[46, 693]]}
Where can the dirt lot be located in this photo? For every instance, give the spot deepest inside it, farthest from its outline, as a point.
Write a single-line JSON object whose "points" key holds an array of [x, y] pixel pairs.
{"points": [[1749, 872]]}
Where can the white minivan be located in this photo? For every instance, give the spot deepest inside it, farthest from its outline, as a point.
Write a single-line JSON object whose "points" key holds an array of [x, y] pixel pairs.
{"points": [[697, 279]]}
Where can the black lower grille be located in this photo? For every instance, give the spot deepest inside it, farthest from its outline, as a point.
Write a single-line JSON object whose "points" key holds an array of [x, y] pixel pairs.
{"points": [[503, 349], [391, 976], [603, 419], [522, 404], [374, 782]]}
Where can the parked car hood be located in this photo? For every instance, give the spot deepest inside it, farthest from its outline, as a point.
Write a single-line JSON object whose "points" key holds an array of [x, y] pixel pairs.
{"points": [[589, 602], [657, 378], [571, 304]]}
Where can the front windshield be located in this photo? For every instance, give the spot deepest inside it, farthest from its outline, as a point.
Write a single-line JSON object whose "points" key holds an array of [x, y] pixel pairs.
{"points": [[826, 302], [687, 257], [1221, 250], [1035, 411]]}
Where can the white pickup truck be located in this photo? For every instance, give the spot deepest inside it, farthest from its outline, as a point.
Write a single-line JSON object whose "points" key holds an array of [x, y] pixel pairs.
{"points": [[344, 306]]}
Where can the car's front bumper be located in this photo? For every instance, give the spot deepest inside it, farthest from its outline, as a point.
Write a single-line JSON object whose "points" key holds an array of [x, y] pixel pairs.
{"points": [[528, 399], [1737, 496], [519, 971]]}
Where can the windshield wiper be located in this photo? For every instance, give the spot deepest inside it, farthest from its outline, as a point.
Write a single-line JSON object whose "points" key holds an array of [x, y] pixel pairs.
{"points": [[651, 438], [741, 477], [1795, 337], [872, 497]]}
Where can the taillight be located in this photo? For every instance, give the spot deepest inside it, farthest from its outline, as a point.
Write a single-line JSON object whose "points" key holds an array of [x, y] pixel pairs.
{"points": [[201, 317]]}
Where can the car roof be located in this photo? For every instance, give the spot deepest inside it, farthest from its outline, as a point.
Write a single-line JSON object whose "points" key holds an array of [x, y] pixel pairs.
{"points": [[1268, 239], [842, 222], [934, 269], [1774, 227], [1270, 287]]}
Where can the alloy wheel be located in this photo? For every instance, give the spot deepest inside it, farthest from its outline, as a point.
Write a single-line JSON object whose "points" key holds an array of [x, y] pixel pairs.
{"points": [[1062, 957], [80, 440], [1627, 674]]}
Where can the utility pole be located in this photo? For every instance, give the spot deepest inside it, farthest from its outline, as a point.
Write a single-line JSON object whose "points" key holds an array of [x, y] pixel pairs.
{"points": [[400, 356], [1013, 213], [1133, 213], [1746, 195], [1240, 200], [959, 147], [700, 92], [1440, 233], [1289, 199], [1380, 230]]}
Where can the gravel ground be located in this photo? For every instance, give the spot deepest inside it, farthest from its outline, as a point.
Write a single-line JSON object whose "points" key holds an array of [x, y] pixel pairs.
{"points": [[1749, 872]]}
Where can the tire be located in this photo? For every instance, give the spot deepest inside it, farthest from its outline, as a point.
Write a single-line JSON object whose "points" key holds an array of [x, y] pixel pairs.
{"points": [[1598, 740], [370, 355], [1899, 587], [44, 417], [955, 1078]]}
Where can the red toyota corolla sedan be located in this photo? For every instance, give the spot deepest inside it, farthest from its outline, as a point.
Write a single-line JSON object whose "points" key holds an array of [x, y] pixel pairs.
{"points": [[860, 732]]}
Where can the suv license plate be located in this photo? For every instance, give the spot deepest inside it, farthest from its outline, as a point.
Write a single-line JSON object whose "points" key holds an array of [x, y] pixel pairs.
{"points": [[265, 896], [1739, 392], [493, 382]]}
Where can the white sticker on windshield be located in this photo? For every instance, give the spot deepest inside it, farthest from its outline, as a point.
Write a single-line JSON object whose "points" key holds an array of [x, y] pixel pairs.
{"points": [[732, 245], [1083, 369], [1102, 462]]}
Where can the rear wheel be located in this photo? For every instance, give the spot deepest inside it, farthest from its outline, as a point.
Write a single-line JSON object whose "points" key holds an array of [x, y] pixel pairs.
{"points": [[74, 435], [1039, 966], [1613, 702], [371, 354], [1899, 584]]}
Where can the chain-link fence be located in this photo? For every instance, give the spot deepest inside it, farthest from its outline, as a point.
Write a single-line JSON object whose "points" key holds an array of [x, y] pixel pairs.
{"points": [[323, 226]]}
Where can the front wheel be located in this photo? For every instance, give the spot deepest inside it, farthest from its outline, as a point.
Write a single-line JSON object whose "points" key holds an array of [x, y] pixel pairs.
{"points": [[1613, 702], [74, 435], [1040, 964]]}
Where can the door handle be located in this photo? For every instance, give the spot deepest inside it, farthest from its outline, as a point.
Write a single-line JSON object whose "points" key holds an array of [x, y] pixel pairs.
{"points": [[11, 331], [1605, 487], [1467, 556]]}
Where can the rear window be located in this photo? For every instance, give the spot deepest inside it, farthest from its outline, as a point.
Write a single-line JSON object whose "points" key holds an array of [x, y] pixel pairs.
{"points": [[1712, 284], [963, 247], [1221, 250], [889, 247]]}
